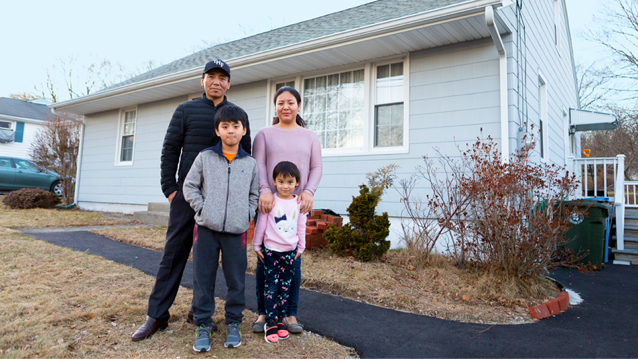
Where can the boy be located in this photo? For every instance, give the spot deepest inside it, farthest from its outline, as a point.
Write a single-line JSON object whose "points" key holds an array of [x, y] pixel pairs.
{"points": [[222, 187]]}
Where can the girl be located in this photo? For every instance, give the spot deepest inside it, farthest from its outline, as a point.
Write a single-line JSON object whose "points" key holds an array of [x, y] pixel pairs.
{"points": [[283, 234], [286, 140]]}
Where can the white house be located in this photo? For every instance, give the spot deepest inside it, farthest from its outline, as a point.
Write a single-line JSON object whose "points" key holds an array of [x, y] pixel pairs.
{"points": [[20, 121], [382, 83]]}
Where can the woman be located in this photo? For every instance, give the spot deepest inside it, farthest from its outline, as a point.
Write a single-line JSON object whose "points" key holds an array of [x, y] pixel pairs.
{"points": [[286, 140]]}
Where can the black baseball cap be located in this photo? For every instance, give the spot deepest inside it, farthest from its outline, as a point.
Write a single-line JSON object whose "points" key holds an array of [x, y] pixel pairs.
{"points": [[217, 64]]}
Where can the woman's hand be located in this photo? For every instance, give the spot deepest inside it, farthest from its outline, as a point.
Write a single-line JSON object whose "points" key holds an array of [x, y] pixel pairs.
{"points": [[297, 256], [266, 201], [260, 255], [306, 202]]}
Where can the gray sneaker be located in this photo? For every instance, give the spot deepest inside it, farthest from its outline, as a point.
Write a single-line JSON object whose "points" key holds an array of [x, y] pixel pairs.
{"points": [[233, 336], [202, 341]]}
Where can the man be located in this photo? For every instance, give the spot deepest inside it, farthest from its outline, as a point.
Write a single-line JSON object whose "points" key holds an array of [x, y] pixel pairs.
{"points": [[191, 130]]}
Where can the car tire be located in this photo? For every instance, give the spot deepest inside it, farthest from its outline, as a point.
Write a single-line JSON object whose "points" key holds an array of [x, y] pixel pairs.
{"points": [[56, 188]]}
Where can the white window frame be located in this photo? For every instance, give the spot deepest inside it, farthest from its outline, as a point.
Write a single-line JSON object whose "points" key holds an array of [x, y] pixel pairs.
{"points": [[406, 108], [369, 102], [12, 124], [567, 143], [120, 129], [543, 116]]}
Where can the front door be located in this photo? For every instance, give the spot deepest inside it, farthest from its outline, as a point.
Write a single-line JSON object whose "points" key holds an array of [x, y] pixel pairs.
{"points": [[30, 176], [7, 174]]}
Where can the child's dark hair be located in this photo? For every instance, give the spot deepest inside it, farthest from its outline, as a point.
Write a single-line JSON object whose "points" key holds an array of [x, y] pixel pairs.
{"points": [[286, 169], [231, 113]]}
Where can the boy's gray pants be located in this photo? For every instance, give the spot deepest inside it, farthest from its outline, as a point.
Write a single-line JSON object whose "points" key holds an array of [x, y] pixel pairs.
{"points": [[206, 248]]}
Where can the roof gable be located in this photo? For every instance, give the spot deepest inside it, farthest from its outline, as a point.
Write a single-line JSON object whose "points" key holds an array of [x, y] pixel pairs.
{"points": [[24, 109], [353, 18]]}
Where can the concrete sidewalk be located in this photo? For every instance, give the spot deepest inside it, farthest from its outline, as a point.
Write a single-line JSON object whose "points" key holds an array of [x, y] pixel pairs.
{"points": [[604, 325]]}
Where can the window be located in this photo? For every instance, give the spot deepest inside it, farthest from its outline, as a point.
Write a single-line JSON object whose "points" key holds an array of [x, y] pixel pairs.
{"points": [[282, 84], [388, 111], [333, 107], [25, 165], [5, 125], [5, 162], [127, 136], [357, 109]]}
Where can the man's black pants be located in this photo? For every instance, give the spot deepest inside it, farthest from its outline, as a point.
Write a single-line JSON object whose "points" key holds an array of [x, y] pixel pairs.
{"points": [[179, 241]]}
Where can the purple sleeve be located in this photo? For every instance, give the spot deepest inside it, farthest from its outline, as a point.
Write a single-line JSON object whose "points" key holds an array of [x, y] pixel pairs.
{"points": [[316, 167], [259, 153], [301, 231], [260, 231]]}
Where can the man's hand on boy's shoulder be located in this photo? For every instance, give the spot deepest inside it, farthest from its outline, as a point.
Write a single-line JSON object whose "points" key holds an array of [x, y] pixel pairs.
{"points": [[171, 196]]}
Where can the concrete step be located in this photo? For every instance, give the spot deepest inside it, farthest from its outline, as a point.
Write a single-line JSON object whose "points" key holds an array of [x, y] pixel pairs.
{"points": [[626, 255], [159, 207], [150, 217], [627, 238]]}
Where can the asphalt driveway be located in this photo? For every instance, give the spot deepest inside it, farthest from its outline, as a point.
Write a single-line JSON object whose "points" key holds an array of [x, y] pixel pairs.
{"points": [[604, 325]]}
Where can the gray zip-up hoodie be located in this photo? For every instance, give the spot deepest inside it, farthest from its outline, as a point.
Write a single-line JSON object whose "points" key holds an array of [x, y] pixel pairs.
{"points": [[224, 195]]}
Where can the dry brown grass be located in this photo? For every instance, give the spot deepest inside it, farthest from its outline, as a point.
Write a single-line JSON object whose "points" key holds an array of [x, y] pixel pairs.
{"points": [[439, 289], [57, 303], [40, 218]]}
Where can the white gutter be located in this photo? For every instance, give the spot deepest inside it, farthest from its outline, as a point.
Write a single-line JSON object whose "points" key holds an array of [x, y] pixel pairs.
{"points": [[385, 28], [502, 61], [79, 159], [22, 119]]}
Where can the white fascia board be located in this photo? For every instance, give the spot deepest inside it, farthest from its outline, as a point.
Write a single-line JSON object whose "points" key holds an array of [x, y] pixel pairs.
{"points": [[389, 27], [22, 119]]}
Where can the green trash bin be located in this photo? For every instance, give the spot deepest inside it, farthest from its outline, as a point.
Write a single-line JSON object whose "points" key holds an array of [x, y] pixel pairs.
{"points": [[588, 218]]}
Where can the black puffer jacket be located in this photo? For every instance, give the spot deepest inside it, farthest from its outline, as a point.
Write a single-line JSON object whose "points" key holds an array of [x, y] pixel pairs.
{"points": [[191, 130]]}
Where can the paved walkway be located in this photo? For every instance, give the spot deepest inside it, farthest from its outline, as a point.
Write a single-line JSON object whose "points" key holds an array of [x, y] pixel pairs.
{"points": [[605, 325], [79, 229]]}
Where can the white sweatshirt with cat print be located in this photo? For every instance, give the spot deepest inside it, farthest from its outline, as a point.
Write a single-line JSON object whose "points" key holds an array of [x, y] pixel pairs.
{"points": [[283, 229]]}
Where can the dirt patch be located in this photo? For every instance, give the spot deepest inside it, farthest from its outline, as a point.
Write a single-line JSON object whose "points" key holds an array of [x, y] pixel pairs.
{"points": [[57, 303], [439, 289]]}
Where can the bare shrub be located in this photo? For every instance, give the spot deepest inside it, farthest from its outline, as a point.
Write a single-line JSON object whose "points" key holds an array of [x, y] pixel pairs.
{"points": [[55, 148], [26, 198], [505, 217], [439, 215]]}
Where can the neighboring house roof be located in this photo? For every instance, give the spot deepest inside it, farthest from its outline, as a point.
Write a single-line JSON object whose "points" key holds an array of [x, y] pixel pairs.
{"points": [[353, 18], [10, 107]]}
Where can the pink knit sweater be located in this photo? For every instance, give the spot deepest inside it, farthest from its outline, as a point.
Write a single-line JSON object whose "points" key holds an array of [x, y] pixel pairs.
{"points": [[299, 146]]}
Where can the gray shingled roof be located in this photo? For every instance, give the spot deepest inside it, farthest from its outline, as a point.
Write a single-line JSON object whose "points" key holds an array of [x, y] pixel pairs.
{"points": [[353, 18], [25, 109]]}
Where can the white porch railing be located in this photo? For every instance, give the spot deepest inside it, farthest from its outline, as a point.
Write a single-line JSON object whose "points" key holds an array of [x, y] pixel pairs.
{"points": [[631, 197], [604, 177]]}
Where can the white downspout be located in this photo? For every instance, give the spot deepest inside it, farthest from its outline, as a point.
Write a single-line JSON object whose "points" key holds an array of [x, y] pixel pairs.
{"points": [[502, 62], [80, 145]]}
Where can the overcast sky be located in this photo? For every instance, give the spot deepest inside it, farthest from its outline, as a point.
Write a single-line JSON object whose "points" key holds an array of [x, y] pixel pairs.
{"points": [[36, 33]]}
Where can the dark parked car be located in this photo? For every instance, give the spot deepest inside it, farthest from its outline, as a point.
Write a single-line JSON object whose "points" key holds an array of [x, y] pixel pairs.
{"points": [[16, 173]]}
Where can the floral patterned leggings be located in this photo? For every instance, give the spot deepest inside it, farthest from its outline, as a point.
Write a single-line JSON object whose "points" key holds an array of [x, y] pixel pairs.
{"points": [[279, 270]]}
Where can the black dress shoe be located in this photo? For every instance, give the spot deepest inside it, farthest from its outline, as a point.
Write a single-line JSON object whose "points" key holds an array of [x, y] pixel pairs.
{"points": [[149, 328], [190, 320]]}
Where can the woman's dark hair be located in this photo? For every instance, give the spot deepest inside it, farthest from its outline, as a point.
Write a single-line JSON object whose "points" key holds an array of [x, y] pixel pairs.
{"points": [[295, 93], [286, 169]]}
